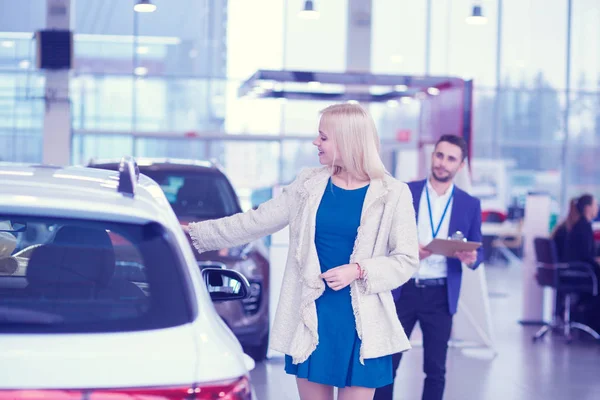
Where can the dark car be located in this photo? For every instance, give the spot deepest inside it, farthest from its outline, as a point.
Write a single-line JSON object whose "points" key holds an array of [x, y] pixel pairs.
{"points": [[200, 191]]}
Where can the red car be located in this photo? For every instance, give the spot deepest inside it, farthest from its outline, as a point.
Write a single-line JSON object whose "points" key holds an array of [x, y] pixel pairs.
{"points": [[199, 191]]}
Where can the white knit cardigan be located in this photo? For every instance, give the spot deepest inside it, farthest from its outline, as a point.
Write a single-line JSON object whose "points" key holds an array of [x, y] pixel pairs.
{"points": [[386, 247]]}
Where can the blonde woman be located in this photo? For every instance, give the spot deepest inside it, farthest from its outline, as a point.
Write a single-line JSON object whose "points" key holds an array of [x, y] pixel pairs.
{"points": [[353, 239]]}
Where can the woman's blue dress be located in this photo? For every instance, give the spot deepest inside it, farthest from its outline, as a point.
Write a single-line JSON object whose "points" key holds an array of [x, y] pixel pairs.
{"points": [[335, 361]]}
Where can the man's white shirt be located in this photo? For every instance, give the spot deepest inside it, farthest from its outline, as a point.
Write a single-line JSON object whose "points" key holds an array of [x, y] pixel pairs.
{"points": [[434, 266]]}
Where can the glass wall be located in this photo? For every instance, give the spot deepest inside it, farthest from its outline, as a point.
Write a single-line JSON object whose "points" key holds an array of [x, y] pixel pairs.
{"points": [[175, 73], [584, 99], [398, 37], [21, 88]]}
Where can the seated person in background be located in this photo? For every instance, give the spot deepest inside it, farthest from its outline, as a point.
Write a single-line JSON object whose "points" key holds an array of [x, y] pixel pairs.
{"points": [[561, 231], [580, 247], [580, 240]]}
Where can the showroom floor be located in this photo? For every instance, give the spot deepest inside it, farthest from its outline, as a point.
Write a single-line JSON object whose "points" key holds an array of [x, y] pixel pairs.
{"points": [[521, 370]]}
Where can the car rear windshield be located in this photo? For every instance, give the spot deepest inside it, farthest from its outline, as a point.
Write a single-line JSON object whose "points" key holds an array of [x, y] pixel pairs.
{"points": [[62, 275], [197, 194]]}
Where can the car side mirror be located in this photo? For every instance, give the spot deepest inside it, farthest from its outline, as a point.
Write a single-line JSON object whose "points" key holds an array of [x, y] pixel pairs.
{"points": [[225, 284]]}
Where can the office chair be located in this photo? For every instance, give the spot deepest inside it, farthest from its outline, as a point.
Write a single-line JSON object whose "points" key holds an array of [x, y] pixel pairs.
{"points": [[568, 279]]}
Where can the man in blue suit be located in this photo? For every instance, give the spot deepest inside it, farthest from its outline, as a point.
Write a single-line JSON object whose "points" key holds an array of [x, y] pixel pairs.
{"points": [[431, 297]]}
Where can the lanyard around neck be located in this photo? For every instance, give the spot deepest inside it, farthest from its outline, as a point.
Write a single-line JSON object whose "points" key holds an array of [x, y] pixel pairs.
{"points": [[435, 231]]}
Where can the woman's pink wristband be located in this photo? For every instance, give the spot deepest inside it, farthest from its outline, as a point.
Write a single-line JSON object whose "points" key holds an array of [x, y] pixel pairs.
{"points": [[361, 272]]}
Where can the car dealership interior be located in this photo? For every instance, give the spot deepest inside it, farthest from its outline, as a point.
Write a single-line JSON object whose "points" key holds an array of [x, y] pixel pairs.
{"points": [[126, 126]]}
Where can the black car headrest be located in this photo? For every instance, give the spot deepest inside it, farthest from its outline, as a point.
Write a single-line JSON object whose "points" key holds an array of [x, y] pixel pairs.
{"points": [[76, 255]]}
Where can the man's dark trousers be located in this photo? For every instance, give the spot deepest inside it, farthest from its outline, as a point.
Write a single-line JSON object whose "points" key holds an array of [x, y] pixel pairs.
{"points": [[428, 306]]}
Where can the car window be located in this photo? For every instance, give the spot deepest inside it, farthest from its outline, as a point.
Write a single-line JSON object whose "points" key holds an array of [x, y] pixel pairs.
{"points": [[60, 275], [197, 194]]}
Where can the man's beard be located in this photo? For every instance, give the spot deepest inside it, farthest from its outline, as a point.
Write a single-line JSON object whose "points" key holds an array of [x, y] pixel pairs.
{"points": [[442, 179]]}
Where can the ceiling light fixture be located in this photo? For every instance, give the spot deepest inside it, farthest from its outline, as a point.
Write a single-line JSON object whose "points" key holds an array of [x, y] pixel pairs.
{"points": [[309, 12], [144, 6], [140, 71], [476, 17]]}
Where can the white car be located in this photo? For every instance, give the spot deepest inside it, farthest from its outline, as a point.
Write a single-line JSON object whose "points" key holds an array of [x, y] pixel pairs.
{"points": [[101, 296]]}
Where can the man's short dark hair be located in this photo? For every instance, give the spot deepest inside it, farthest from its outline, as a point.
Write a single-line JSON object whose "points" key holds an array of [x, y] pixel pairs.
{"points": [[457, 141]]}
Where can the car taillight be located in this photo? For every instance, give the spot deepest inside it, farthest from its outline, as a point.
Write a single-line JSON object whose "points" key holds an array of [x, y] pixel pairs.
{"points": [[238, 389], [40, 394]]}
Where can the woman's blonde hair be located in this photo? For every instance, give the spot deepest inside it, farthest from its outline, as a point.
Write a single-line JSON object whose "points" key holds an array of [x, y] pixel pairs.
{"points": [[353, 131]]}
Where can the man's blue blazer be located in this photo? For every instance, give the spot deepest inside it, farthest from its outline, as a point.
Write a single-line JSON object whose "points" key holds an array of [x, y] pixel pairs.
{"points": [[465, 217]]}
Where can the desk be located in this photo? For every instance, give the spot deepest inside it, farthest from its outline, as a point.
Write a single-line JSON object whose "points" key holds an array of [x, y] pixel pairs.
{"points": [[507, 236], [501, 229]]}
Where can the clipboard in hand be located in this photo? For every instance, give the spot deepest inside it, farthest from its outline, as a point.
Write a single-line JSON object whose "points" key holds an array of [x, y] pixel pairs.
{"points": [[448, 247]]}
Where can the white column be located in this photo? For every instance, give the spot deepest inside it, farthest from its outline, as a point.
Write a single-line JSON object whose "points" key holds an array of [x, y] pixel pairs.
{"points": [[358, 37], [57, 116]]}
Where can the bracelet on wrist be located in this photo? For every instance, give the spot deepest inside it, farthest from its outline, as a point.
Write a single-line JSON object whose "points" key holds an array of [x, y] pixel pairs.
{"points": [[361, 272]]}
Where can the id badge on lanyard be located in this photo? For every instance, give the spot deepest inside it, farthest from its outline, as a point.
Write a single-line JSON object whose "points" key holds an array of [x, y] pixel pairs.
{"points": [[435, 231]]}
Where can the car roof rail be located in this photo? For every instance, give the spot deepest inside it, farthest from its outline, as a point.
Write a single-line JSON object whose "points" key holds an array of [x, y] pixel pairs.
{"points": [[129, 174]]}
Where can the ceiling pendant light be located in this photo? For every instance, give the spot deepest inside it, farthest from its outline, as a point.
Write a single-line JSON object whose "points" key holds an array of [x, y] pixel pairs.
{"points": [[476, 17], [144, 6], [309, 12]]}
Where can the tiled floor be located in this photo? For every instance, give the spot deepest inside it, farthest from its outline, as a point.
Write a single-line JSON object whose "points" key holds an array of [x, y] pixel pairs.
{"points": [[521, 370]]}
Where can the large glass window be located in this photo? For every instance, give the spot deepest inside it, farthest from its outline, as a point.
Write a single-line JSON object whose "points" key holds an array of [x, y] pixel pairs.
{"points": [[180, 147], [485, 135], [180, 38], [90, 146], [248, 164], [584, 144], [103, 103], [297, 155], [462, 49], [21, 116], [254, 36], [192, 55], [278, 38], [585, 45], [398, 36], [532, 117], [534, 43], [316, 44]]}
